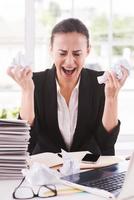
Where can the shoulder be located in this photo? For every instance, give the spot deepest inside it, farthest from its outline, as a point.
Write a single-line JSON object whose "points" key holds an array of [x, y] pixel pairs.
{"points": [[39, 77], [90, 76], [90, 83], [91, 73]]}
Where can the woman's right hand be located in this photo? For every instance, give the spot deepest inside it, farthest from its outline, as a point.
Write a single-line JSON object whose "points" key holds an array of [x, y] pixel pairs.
{"points": [[23, 76]]}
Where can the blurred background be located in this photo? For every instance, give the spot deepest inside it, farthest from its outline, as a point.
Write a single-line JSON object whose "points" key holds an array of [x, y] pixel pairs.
{"points": [[25, 25]]}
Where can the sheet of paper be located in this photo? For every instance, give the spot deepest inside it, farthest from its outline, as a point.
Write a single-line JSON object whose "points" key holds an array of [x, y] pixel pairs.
{"points": [[49, 159]]}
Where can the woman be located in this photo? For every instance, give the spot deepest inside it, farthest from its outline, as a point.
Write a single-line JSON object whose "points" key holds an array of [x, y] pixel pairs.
{"points": [[65, 105]]}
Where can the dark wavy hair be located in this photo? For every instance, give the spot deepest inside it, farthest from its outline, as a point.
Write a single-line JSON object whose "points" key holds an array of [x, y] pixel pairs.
{"points": [[70, 25]]}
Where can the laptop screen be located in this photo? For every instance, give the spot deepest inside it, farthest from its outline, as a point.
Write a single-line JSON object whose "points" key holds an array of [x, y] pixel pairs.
{"points": [[128, 186]]}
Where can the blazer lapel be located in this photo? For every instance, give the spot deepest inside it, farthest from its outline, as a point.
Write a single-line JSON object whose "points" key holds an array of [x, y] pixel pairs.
{"points": [[51, 111], [84, 111]]}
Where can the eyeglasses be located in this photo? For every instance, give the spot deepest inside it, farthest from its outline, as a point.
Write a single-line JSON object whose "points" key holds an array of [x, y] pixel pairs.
{"points": [[27, 192]]}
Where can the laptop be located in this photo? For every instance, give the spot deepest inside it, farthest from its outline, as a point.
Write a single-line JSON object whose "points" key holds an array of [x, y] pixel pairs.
{"points": [[117, 179]]}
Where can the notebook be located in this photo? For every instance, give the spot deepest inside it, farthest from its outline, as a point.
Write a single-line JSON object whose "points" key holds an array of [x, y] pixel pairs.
{"points": [[117, 179]]}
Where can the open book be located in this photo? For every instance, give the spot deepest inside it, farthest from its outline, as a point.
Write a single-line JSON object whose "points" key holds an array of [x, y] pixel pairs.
{"points": [[54, 160]]}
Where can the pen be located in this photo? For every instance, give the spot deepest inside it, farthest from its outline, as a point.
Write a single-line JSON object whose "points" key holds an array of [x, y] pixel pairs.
{"points": [[93, 191]]}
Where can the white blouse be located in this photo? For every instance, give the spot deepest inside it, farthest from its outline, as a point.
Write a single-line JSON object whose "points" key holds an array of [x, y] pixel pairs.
{"points": [[67, 114]]}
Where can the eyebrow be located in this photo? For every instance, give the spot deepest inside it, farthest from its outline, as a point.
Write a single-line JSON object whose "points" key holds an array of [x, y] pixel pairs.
{"points": [[74, 51]]}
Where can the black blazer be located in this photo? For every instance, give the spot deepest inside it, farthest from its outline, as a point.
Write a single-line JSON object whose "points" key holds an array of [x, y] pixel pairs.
{"points": [[89, 133]]}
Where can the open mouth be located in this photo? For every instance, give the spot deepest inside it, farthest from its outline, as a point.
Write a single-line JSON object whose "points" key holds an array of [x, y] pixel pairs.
{"points": [[68, 71]]}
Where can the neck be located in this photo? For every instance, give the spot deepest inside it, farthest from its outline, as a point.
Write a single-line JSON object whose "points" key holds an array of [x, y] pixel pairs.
{"points": [[66, 89], [68, 85]]}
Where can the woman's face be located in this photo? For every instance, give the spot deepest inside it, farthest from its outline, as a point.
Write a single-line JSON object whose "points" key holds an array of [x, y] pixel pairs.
{"points": [[69, 52]]}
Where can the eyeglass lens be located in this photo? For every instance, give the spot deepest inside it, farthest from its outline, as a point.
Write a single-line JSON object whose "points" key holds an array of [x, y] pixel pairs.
{"points": [[26, 192]]}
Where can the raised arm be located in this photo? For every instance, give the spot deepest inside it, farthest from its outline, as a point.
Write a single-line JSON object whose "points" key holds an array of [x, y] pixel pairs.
{"points": [[112, 88], [23, 76]]}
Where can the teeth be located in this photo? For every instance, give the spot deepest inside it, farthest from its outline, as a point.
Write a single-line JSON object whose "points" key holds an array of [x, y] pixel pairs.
{"points": [[69, 69]]}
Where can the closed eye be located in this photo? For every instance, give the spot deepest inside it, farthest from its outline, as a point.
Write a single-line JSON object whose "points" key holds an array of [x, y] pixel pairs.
{"points": [[62, 54], [76, 54]]}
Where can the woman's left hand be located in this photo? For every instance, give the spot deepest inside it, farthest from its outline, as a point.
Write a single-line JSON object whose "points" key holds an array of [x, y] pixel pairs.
{"points": [[113, 84]]}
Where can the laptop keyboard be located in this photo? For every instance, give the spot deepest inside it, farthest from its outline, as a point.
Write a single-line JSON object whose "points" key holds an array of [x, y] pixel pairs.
{"points": [[110, 184]]}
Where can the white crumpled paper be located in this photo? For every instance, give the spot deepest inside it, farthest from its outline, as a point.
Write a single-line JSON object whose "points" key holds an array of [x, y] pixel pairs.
{"points": [[21, 60], [70, 165], [39, 174], [116, 68]]}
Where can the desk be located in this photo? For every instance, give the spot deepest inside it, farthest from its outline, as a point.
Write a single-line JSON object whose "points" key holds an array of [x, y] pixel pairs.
{"points": [[8, 186]]}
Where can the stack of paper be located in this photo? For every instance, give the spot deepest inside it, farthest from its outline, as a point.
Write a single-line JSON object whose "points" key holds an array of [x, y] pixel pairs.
{"points": [[14, 137]]}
